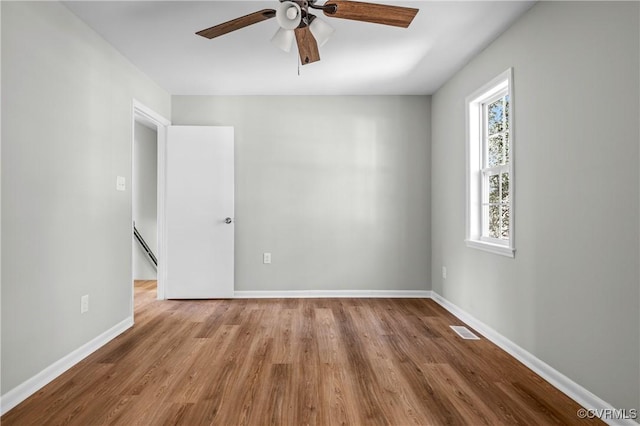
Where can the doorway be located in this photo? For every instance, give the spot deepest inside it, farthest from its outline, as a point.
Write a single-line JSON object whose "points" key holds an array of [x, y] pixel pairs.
{"points": [[144, 184], [148, 147]]}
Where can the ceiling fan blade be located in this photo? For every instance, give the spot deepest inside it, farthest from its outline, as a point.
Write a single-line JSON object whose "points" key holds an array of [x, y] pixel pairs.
{"points": [[307, 46], [238, 23], [370, 12]]}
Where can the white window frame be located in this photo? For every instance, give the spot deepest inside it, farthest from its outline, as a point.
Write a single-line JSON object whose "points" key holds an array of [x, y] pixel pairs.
{"points": [[475, 131]]}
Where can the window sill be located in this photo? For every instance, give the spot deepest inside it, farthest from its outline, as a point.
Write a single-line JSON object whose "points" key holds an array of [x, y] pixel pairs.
{"points": [[491, 248]]}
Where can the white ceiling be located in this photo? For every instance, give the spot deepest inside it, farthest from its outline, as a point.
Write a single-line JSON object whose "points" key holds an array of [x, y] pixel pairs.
{"points": [[360, 58]]}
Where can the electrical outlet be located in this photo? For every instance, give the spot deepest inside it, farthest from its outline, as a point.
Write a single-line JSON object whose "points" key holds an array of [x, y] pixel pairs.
{"points": [[444, 272], [84, 304], [266, 258]]}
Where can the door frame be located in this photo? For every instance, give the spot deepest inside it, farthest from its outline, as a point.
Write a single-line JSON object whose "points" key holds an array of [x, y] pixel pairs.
{"points": [[143, 114]]}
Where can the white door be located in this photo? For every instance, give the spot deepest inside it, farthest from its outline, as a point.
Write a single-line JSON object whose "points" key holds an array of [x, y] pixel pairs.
{"points": [[199, 212]]}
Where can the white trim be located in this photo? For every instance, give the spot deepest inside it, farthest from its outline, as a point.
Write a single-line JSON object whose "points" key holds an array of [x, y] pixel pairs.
{"points": [[491, 248], [564, 384], [304, 294], [150, 114], [27, 388], [147, 116]]}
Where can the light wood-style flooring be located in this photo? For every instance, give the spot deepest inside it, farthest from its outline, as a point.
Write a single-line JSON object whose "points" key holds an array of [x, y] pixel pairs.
{"points": [[295, 362]]}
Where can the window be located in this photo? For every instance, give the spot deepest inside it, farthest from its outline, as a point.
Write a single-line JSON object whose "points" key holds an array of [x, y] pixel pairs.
{"points": [[490, 183]]}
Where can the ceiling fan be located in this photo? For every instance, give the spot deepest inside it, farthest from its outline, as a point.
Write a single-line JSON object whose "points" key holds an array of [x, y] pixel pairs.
{"points": [[310, 31]]}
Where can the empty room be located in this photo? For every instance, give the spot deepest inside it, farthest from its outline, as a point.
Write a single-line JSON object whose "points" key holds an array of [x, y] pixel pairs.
{"points": [[320, 212]]}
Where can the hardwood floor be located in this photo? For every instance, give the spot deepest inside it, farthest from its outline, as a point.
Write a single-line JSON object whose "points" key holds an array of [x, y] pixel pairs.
{"points": [[295, 362]]}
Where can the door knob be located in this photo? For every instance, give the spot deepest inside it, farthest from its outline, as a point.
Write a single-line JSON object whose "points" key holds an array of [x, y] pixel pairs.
{"points": [[228, 220]]}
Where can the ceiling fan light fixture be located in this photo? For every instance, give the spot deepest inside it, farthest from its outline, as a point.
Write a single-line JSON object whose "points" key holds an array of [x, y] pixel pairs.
{"points": [[321, 31], [283, 39], [288, 15]]}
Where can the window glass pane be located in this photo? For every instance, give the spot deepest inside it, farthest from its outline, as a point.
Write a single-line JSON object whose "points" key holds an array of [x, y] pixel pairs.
{"points": [[494, 221], [507, 154], [506, 112], [494, 112], [496, 151], [505, 187], [505, 223], [494, 189]]}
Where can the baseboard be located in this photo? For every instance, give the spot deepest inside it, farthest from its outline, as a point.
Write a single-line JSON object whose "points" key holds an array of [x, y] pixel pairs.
{"points": [[304, 294], [582, 396], [24, 390]]}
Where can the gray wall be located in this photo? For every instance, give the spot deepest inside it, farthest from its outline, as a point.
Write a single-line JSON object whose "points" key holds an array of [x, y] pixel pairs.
{"points": [[145, 198], [66, 135], [571, 295], [336, 188]]}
